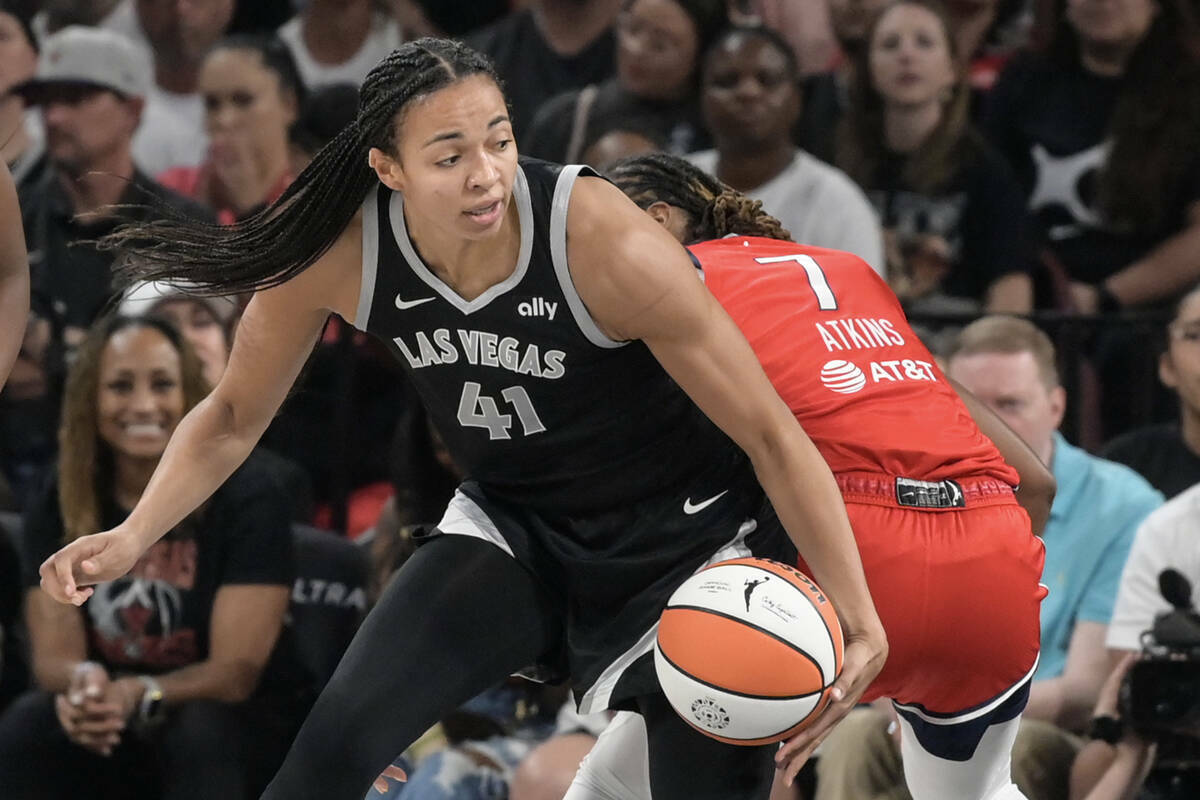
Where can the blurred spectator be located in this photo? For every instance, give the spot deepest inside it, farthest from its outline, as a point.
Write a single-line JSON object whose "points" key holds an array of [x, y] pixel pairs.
{"points": [[1168, 455], [252, 94], [617, 144], [751, 98], [1102, 131], [547, 48], [660, 47], [1010, 365], [262, 17], [21, 140], [953, 214], [448, 17], [1116, 770], [339, 41], [118, 16], [1167, 539], [90, 85], [180, 34], [206, 324], [323, 115], [142, 690], [203, 321], [805, 24]]}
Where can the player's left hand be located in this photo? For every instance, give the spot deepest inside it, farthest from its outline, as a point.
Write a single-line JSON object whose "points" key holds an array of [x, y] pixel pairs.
{"points": [[381, 784], [864, 657]]}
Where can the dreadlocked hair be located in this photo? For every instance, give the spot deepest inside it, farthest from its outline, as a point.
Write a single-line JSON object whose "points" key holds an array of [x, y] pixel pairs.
{"points": [[715, 209], [284, 239]]}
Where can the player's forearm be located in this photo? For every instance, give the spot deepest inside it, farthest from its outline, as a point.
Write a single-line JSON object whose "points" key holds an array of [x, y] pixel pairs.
{"points": [[1036, 492], [809, 504], [204, 450]]}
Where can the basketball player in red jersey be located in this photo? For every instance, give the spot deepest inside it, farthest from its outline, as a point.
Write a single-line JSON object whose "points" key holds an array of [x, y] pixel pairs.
{"points": [[949, 552]]}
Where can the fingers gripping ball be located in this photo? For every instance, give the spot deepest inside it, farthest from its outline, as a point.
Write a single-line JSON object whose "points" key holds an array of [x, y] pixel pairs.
{"points": [[747, 651]]}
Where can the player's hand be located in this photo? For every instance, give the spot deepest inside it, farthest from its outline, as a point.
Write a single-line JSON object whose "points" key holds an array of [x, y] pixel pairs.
{"points": [[68, 574], [395, 773], [864, 657]]}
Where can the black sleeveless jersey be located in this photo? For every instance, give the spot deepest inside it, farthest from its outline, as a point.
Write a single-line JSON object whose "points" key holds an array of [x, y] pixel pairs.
{"points": [[533, 401]]}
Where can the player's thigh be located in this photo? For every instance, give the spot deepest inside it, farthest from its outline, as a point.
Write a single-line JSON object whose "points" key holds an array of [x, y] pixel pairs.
{"points": [[687, 765], [617, 768]]}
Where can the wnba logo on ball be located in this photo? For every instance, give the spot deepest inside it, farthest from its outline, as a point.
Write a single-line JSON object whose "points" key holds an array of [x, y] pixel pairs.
{"points": [[709, 714], [842, 377]]}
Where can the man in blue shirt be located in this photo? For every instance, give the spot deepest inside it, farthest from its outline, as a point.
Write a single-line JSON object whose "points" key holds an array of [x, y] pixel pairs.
{"points": [[1010, 365]]}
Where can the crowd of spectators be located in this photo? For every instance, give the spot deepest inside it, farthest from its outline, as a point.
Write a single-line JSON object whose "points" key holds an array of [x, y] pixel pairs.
{"points": [[1034, 158]]}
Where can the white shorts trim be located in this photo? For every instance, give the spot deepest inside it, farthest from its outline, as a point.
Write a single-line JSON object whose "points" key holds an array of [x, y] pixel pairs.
{"points": [[464, 517]]}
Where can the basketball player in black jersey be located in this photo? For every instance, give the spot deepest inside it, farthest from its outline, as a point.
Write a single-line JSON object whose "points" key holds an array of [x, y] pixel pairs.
{"points": [[14, 275], [549, 326]]}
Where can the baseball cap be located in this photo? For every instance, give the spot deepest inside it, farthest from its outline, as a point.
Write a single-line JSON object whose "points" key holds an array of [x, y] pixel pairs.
{"points": [[143, 298], [79, 55]]}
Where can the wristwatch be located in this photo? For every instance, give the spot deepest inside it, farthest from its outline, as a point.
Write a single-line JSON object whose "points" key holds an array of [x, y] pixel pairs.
{"points": [[151, 711], [1106, 729]]}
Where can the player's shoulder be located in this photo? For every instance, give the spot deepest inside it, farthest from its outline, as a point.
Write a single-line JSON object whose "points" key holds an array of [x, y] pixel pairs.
{"points": [[761, 249]]}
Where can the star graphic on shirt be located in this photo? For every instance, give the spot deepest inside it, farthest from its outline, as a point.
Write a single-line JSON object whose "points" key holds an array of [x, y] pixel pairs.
{"points": [[1059, 179]]}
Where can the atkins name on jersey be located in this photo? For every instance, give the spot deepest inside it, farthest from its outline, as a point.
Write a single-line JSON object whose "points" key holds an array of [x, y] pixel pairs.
{"points": [[480, 348]]}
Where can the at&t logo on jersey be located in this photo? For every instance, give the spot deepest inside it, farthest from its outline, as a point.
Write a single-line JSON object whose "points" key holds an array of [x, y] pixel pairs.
{"points": [[845, 377], [842, 377]]}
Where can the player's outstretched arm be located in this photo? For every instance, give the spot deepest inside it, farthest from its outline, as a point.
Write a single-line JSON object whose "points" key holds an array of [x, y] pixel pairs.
{"points": [[274, 339], [14, 275], [638, 283], [1036, 493]]}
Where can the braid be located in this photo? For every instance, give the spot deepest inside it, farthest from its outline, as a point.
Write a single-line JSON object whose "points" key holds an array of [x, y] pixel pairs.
{"points": [[716, 210], [281, 241], [733, 212]]}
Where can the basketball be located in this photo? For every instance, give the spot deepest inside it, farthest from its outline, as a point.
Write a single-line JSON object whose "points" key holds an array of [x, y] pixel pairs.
{"points": [[747, 651]]}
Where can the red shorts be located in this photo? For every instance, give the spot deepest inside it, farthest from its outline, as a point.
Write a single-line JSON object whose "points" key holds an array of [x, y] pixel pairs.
{"points": [[957, 589]]}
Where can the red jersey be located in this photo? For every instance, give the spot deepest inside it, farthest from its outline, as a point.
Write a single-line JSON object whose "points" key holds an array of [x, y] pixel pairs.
{"points": [[834, 341]]}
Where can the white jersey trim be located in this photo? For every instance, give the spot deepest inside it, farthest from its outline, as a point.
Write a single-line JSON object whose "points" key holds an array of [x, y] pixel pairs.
{"points": [[370, 258], [597, 698], [558, 254], [464, 517], [520, 195]]}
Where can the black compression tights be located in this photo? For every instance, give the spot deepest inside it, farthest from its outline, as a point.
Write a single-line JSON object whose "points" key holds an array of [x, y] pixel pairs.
{"points": [[686, 765], [459, 617]]}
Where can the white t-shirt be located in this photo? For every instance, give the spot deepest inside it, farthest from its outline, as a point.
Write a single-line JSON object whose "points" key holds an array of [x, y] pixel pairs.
{"points": [[1169, 537], [384, 37], [818, 204], [171, 133]]}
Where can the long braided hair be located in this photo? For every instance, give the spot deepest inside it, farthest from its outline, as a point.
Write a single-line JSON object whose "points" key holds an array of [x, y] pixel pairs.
{"points": [[716, 210], [284, 239]]}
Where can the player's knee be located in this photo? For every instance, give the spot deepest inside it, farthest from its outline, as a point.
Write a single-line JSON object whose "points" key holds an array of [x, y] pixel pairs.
{"points": [[547, 772]]}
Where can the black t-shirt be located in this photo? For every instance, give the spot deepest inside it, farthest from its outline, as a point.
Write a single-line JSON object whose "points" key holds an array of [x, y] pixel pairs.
{"points": [[532, 72], [70, 280], [1159, 454], [156, 618], [979, 213], [678, 126], [1051, 122]]}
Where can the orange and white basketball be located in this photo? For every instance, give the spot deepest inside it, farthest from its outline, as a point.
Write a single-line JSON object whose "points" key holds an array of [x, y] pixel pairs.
{"points": [[747, 651]]}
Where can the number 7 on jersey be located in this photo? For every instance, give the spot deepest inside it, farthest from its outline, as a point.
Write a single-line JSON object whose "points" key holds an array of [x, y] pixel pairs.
{"points": [[816, 278]]}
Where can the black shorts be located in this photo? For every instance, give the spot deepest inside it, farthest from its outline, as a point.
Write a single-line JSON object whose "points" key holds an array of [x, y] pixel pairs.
{"points": [[611, 574]]}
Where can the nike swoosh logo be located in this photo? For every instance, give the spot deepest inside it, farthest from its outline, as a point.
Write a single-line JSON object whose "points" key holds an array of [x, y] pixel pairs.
{"points": [[690, 508], [403, 304]]}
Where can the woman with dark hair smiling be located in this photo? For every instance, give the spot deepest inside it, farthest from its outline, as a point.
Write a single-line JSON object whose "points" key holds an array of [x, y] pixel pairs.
{"points": [[139, 691], [552, 330]]}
